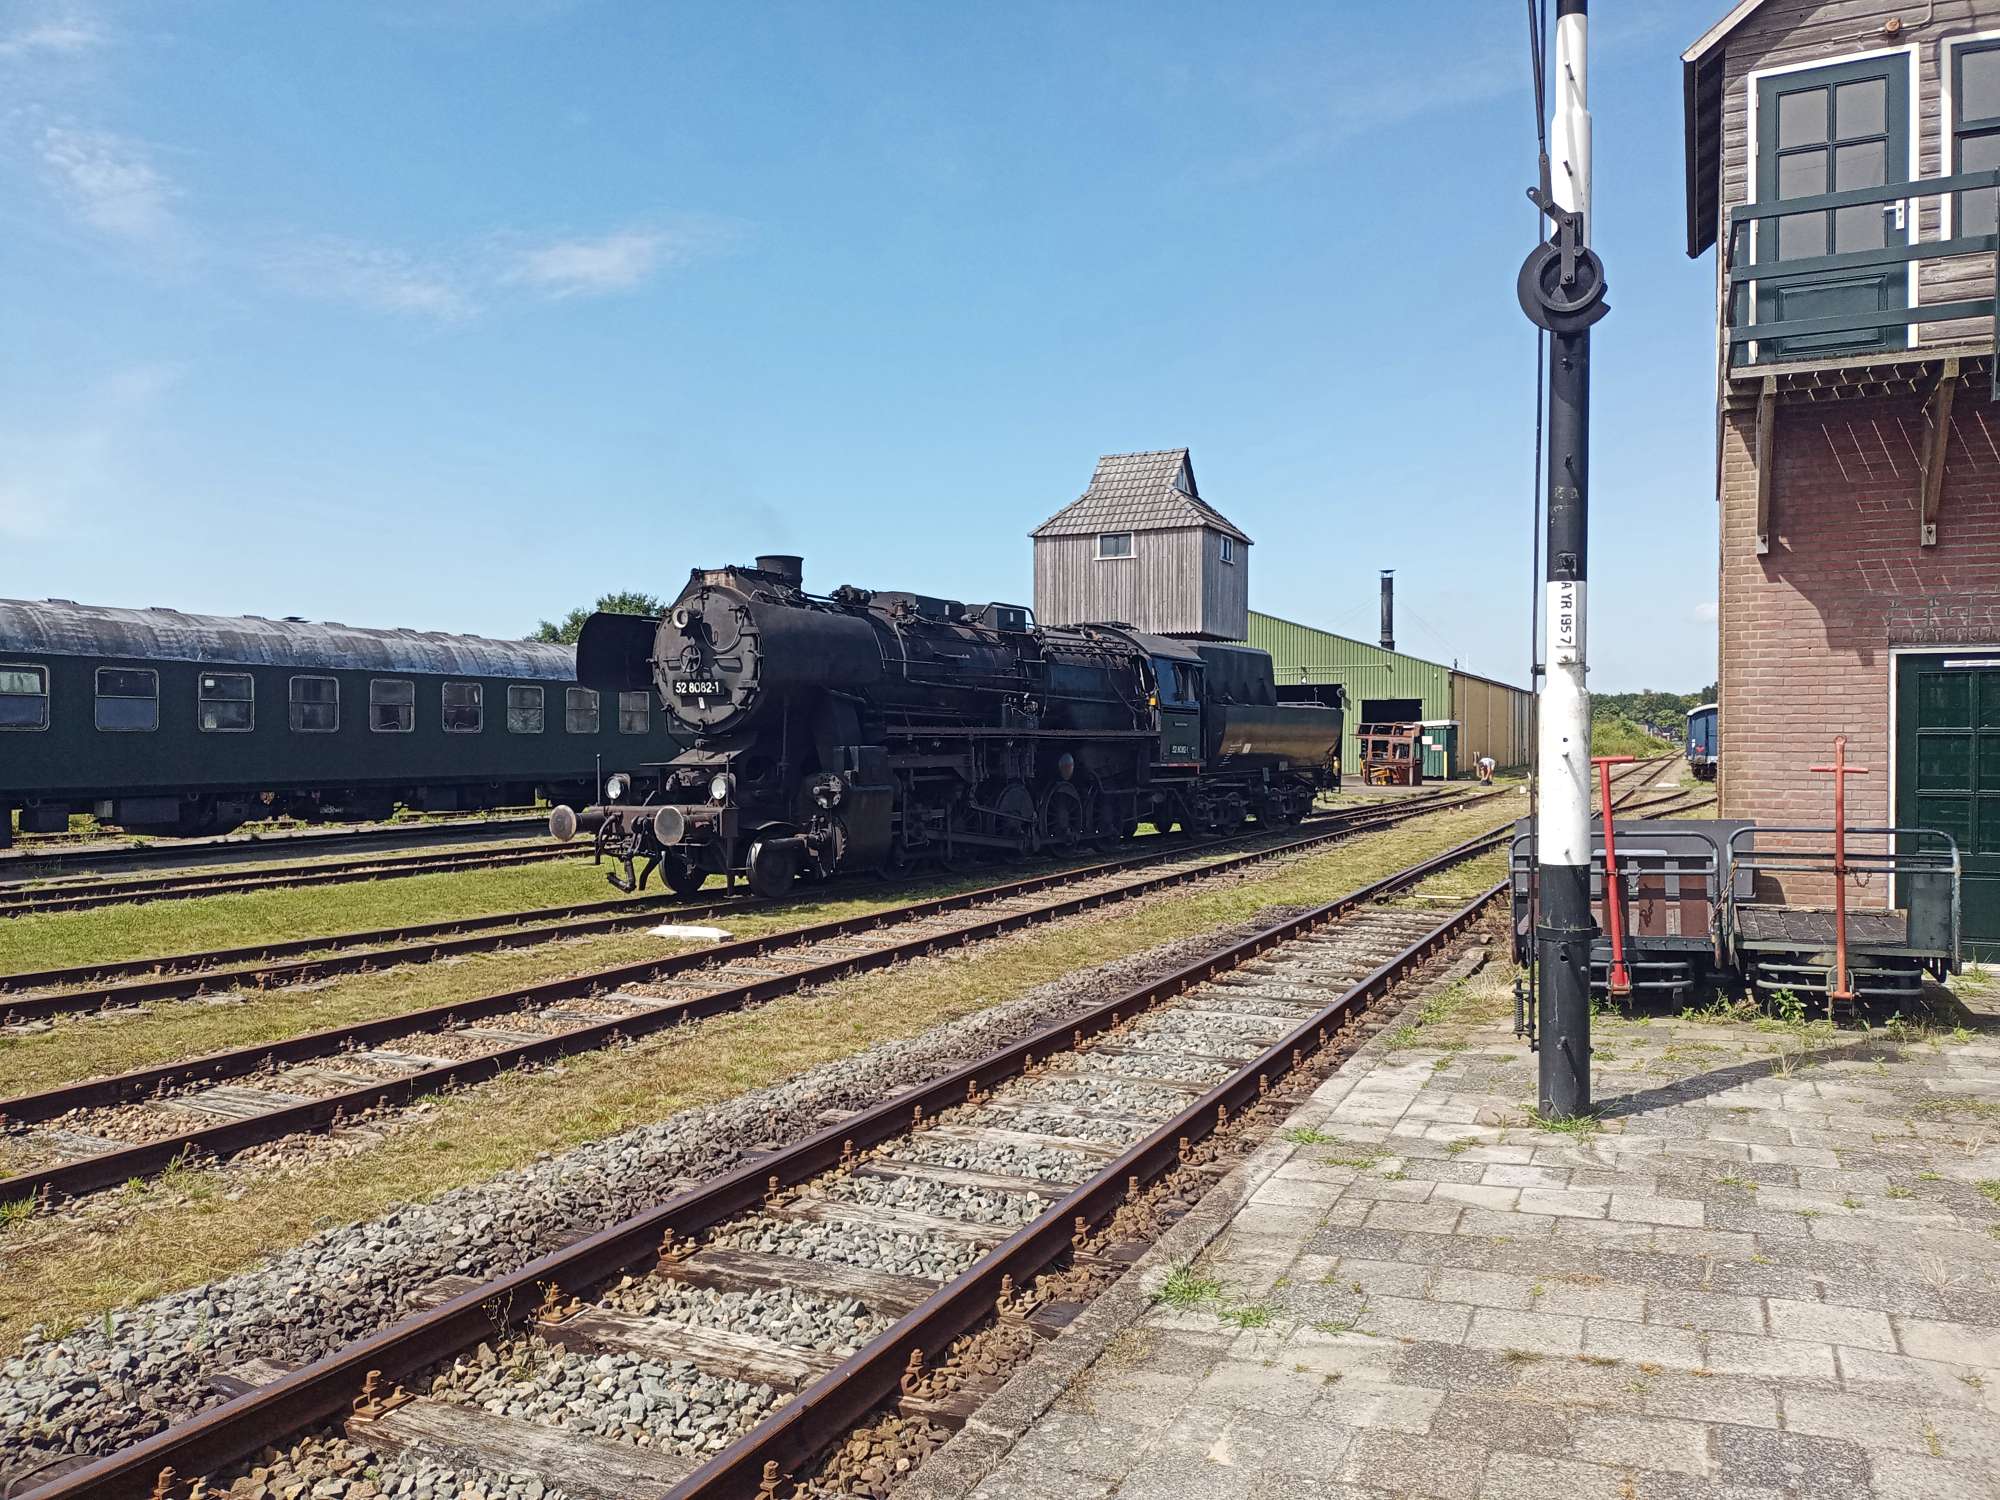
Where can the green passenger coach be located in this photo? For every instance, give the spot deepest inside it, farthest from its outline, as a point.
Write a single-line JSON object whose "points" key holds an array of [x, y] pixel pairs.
{"points": [[165, 722]]}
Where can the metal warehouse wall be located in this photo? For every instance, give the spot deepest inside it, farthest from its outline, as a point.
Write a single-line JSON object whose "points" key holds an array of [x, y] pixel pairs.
{"points": [[1493, 719], [1299, 653]]}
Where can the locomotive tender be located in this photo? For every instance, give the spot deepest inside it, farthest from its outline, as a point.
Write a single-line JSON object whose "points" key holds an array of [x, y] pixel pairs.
{"points": [[865, 730]]}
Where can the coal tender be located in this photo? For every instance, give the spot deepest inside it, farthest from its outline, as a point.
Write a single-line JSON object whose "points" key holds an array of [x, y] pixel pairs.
{"points": [[869, 731]]}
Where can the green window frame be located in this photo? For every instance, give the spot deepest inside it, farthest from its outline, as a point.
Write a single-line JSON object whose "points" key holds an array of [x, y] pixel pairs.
{"points": [[1975, 131]]}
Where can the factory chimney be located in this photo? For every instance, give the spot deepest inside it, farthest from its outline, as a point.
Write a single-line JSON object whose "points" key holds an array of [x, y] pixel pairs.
{"points": [[1388, 609]]}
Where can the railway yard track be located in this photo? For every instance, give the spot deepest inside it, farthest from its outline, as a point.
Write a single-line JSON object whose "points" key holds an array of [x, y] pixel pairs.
{"points": [[107, 1131], [18, 901], [104, 1132], [263, 966], [820, 1315]]}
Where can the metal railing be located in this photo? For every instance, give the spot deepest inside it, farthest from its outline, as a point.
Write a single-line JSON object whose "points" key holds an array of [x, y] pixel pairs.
{"points": [[1920, 868], [1749, 262]]}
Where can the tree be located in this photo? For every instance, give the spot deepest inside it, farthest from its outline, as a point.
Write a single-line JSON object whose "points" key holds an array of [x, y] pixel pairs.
{"points": [[629, 602]]}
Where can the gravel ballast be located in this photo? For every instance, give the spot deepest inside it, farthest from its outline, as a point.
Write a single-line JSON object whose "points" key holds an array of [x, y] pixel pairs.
{"points": [[140, 1370]]}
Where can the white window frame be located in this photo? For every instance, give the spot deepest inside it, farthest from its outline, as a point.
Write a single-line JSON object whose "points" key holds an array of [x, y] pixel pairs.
{"points": [[1104, 536], [1229, 550], [293, 703], [646, 705], [478, 704], [199, 700], [48, 700], [540, 710], [1947, 131], [570, 697], [98, 695], [408, 682]]}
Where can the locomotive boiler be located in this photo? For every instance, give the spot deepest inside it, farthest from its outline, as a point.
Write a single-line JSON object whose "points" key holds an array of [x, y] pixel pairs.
{"points": [[868, 730]]}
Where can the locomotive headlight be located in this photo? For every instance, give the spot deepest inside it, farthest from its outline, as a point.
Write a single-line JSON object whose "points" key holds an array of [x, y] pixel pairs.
{"points": [[720, 788], [615, 788]]}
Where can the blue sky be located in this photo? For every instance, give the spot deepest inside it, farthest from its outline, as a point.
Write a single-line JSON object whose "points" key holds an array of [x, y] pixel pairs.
{"points": [[454, 315]]}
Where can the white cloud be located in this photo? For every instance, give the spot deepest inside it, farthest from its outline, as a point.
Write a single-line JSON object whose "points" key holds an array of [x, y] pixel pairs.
{"points": [[64, 34], [382, 280], [109, 182], [613, 262], [1706, 612]]}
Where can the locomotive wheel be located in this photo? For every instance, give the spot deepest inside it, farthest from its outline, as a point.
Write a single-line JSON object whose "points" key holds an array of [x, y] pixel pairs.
{"points": [[681, 876], [772, 871], [1062, 817]]}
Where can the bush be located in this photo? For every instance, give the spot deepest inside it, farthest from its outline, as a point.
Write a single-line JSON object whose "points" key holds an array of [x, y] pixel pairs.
{"points": [[1611, 734]]}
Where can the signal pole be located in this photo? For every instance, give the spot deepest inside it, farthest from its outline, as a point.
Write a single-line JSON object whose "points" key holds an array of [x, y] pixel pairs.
{"points": [[1562, 290]]}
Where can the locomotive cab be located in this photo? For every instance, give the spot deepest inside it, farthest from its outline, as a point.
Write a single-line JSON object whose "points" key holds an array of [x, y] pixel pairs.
{"points": [[1177, 697]]}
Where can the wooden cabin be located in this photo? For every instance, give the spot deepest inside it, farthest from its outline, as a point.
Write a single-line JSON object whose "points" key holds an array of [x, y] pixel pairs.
{"points": [[1142, 547]]}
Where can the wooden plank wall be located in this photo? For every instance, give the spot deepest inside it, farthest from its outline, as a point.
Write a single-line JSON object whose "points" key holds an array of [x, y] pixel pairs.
{"points": [[1165, 586]]}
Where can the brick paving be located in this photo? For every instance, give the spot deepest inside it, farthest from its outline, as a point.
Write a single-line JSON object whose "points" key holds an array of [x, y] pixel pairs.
{"points": [[1773, 1271]]}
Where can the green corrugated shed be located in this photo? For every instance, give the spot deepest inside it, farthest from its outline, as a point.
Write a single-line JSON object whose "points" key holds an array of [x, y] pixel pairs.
{"points": [[1301, 653]]}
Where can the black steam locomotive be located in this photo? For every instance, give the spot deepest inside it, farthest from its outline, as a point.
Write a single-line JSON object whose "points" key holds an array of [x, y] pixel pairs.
{"points": [[872, 730]]}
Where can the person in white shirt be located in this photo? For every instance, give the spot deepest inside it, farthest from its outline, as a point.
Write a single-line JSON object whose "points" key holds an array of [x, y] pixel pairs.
{"points": [[1486, 768]]}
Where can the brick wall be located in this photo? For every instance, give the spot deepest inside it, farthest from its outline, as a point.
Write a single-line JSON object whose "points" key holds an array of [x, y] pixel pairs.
{"points": [[1806, 629]]}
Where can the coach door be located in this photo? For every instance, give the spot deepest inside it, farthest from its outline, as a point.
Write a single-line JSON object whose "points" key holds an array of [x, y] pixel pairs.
{"points": [[1948, 773], [1826, 130]]}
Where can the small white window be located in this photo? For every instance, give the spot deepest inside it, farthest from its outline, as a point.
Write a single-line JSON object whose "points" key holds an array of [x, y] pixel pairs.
{"points": [[392, 705], [227, 702], [635, 712], [1114, 544], [580, 710], [1229, 549], [128, 700], [464, 707], [524, 710], [24, 697], [315, 705]]}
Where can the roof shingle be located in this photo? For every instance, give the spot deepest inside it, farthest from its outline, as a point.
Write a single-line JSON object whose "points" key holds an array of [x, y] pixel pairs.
{"points": [[1139, 492]]}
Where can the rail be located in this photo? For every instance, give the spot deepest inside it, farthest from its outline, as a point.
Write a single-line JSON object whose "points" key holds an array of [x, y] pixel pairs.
{"points": [[1751, 276]]}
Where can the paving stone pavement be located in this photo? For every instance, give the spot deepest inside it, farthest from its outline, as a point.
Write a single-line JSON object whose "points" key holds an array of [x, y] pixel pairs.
{"points": [[1773, 1270]]}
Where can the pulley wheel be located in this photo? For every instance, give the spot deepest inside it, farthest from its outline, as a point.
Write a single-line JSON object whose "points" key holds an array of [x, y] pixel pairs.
{"points": [[1552, 305]]}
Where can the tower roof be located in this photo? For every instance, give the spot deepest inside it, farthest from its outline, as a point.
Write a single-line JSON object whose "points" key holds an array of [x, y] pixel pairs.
{"points": [[1139, 492]]}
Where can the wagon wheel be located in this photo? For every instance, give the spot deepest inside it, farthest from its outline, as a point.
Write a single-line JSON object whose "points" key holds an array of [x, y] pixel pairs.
{"points": [[772, 870], [681, 876]]}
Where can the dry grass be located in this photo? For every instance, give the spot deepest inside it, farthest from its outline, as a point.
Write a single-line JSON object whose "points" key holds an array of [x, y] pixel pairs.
{"points": [[66, 1275]]}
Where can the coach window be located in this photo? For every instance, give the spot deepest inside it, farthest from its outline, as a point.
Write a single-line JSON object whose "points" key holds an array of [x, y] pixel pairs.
{"points": [[315, 705], [635, 713], [227, 702], [524, 710], [1114, 544], [580, 710], [128, 699], [392, 705], [24, 698], [464, 708]]}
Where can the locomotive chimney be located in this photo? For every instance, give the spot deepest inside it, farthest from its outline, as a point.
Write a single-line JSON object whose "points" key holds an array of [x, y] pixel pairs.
{"points": [[785, 566], [1388, 609]]}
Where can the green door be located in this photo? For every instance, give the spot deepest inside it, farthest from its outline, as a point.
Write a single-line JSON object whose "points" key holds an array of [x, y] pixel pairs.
{"points": [[1948, 774], [1825, 130]]}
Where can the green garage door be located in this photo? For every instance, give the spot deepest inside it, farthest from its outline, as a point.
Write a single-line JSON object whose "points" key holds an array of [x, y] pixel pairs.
{"points": [[1948, 773]]}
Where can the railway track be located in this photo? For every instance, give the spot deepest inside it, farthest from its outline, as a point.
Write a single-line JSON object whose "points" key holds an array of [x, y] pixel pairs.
{"points": [[886, 1271], [101, 1132], [106, 1131], [87, 987], [59, 898], [54, 856]]}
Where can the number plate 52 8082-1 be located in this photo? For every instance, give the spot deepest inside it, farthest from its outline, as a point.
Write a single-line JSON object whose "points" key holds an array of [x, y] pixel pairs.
{"points": [[697, 687]]}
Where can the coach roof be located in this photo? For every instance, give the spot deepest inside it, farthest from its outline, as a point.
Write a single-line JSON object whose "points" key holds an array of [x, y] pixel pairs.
{"points": [[60, 627]]}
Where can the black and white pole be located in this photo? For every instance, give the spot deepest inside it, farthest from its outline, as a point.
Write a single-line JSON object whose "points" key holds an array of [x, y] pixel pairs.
{"points": [[1562, 290]]}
